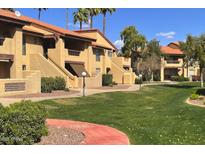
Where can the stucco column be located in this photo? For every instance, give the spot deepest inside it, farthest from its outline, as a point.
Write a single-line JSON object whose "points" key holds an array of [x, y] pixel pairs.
{"points": [[58, 54], [89, 60], [162, 70], [16, 68]]}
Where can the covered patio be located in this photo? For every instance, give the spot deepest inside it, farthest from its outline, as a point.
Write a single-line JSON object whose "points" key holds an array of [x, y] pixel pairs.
{"points": [[6, 61]]}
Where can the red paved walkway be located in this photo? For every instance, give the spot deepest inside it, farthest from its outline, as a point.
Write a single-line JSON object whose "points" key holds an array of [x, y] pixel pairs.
{"points": [[94, 134]]}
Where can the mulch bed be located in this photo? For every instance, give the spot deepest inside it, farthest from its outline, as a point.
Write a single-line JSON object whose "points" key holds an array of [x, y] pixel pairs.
{"points": [[197, 102], [62, 136], [53, 94]]}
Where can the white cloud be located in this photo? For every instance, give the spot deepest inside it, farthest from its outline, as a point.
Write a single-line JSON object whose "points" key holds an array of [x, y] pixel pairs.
{"points": [[167, 35], [119, 44]]}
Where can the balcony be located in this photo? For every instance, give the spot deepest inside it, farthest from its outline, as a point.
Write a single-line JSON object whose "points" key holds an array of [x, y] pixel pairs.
{"points": [[173, 63]]}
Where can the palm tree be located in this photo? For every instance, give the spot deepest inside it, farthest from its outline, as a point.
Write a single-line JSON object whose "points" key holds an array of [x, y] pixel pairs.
{"points": [[81, 15], [92, 12], [67, 18], [104, 11], [39, 12], [9, 9]]}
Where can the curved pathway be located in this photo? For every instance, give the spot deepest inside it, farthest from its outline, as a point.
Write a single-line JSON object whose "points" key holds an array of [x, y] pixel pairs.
{"points": [[94, 134]]}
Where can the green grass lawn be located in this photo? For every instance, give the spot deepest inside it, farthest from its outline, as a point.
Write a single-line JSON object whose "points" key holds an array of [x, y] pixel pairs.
{"points": [[154, 115]]}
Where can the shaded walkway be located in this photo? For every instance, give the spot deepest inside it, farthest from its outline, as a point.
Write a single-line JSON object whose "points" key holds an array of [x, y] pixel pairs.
{"points": [[94, 134]]}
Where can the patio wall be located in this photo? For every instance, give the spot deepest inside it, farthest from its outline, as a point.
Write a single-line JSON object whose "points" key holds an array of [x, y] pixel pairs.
{"points": [[30, 83]]}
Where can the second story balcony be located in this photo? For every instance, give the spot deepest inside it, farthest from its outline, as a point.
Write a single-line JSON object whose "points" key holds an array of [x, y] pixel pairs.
{"points": [[173, 62]]}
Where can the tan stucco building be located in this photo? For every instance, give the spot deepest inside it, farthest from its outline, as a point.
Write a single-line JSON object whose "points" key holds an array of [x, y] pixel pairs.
{"points": [[31, 49], [172, 63]]}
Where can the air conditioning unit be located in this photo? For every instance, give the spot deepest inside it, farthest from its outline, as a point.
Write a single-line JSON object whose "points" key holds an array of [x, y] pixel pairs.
{"points": [[2, 40]]}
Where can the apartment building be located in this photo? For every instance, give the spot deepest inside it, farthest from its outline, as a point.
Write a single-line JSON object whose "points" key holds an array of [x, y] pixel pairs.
{"points": [[31, 49], [172, 63]]}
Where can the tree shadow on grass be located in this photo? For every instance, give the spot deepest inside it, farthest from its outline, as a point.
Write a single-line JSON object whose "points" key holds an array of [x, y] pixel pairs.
{"points": [[181, 86]]}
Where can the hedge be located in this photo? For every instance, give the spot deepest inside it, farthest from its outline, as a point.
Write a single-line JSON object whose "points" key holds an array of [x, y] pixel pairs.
{"points": [[107, 79], [179, 78], [48, 84], [138, 81], [22, 123]]}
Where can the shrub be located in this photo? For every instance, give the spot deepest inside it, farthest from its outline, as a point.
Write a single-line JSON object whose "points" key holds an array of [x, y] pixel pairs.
{"points": [[179, 78], [49, 83], [194, 96], [59, 83], [22, 123], [156, 75], [107, 79], [138, 81]]}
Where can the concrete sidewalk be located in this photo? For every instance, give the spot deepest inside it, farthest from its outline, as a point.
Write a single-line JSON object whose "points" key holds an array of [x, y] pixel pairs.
{"points": [[134, 87]]}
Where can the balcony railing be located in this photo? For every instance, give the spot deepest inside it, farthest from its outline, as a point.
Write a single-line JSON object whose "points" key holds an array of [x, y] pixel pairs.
{"points": [[172, 61]]}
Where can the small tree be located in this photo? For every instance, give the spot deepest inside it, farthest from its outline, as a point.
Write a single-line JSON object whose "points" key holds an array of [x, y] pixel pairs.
{"points": [[194, 48], [152, 56], [134, 44]]}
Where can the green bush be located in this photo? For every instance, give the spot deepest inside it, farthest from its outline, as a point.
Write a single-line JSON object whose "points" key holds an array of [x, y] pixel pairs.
{"points": [[59, 83], [194, 96], [156, 75], [179, 78], [22, 123], [138, 81], [48, 84], [107, 79]]}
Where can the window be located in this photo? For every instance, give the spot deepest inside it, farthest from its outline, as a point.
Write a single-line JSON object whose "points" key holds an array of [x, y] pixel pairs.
{"points": [[23, 67], [98, 70], [73, 52], [97, 53], [24, 45], [110, 54]]}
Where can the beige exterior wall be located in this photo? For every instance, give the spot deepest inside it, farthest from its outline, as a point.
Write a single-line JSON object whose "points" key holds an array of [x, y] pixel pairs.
{"points": [[13, 70], [55, 64], [32, 82], [181, 70]]}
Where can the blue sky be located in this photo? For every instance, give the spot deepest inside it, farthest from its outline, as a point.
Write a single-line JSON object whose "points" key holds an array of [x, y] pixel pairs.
{"points": [[166, 25]]}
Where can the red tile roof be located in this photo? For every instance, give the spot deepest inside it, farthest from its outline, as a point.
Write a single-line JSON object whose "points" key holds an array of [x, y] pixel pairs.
{"points": [[170, 51], [96, 30], [176, 43], [95, 44], [61, 31]]}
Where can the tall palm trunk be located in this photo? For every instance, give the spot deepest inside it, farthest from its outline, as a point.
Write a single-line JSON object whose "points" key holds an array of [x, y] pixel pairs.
{"points": [[39, 14], [104, 23], [187, 69], [81, 25], [91, 22], [202, 77], [67, 19]]}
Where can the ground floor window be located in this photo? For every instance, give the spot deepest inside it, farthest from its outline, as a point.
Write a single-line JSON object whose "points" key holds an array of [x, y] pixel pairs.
{"points": [[23, 67], [98, 70], [169, 72]]}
